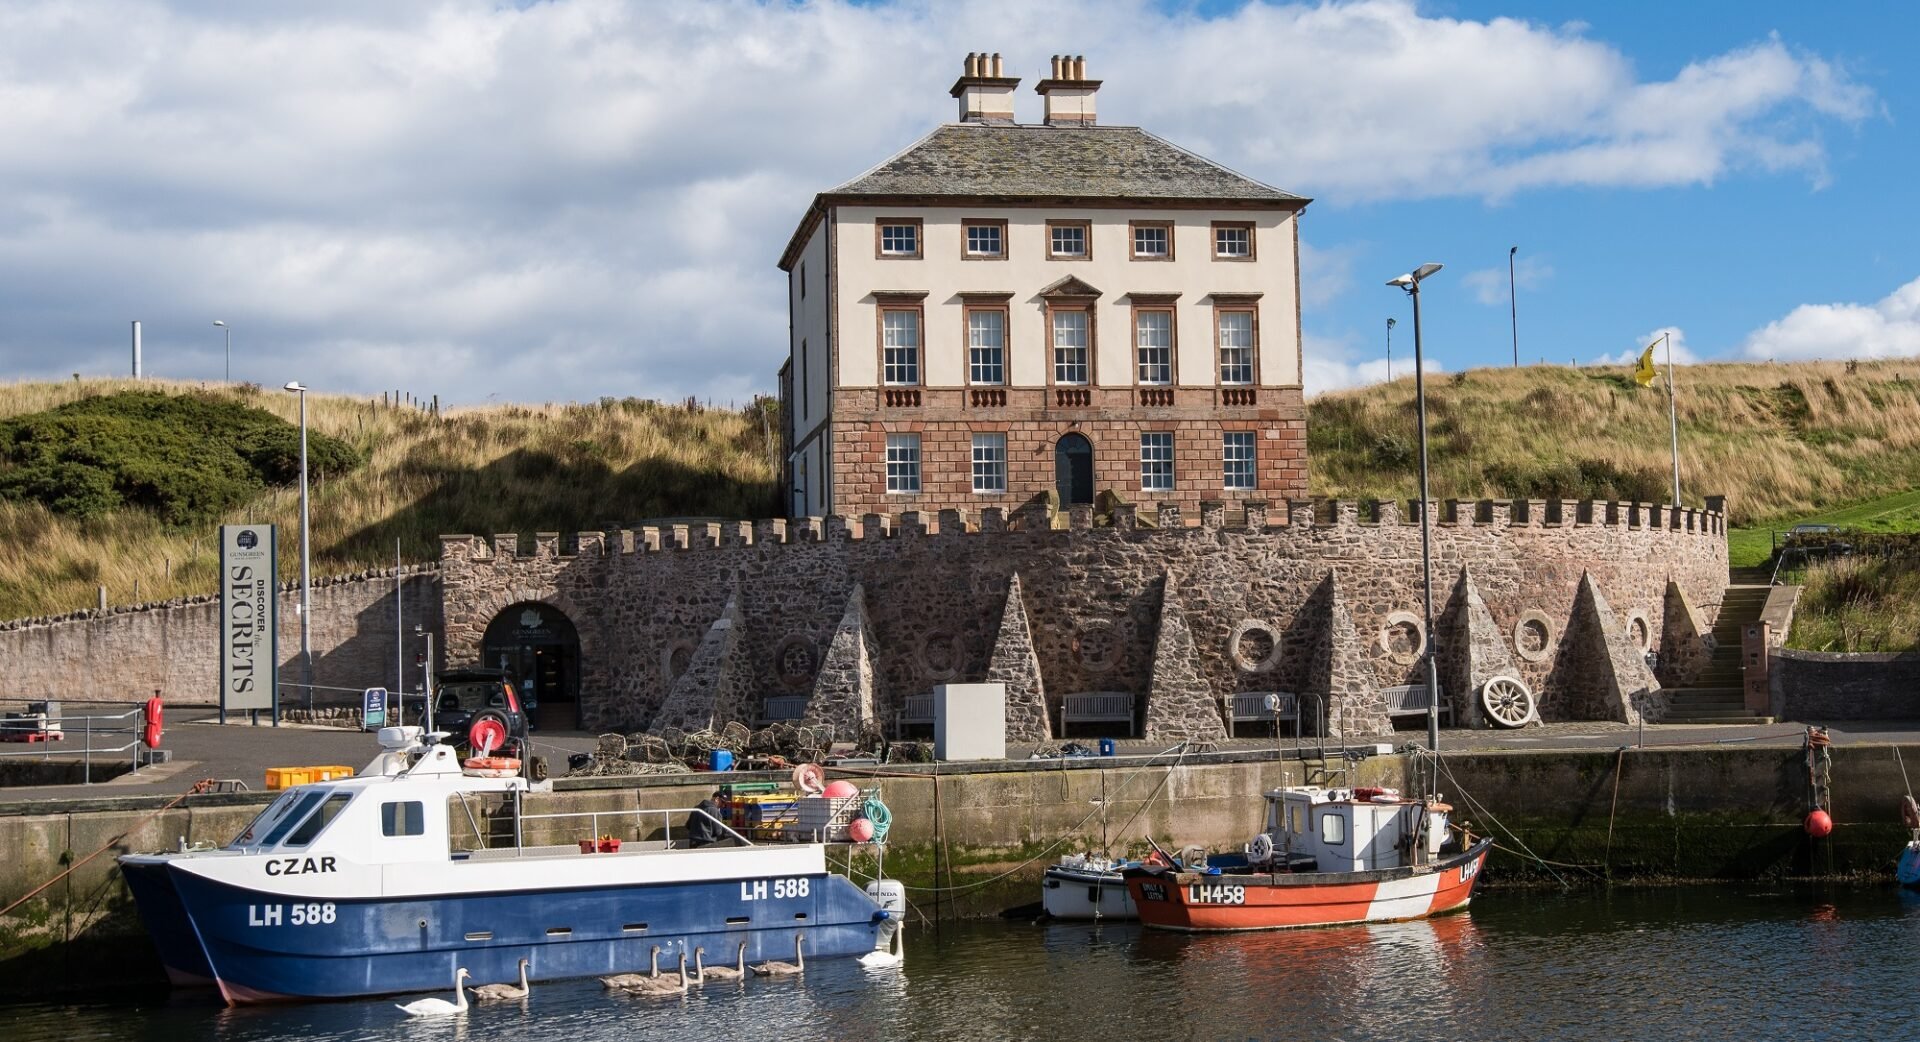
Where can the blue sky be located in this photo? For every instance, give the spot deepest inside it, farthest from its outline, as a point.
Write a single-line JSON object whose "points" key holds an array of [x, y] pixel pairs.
{"points": [[564, 200]]}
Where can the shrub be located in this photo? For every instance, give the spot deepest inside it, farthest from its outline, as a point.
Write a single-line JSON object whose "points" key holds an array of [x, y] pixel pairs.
{"points": [[186, 458]]}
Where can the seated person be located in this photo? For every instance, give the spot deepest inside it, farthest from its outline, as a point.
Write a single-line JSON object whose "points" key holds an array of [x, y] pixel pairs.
{"points": [[703, 829]]}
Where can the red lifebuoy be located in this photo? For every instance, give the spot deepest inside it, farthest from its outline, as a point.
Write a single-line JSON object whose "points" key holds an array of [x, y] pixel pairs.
{"points": [[150, 733]]}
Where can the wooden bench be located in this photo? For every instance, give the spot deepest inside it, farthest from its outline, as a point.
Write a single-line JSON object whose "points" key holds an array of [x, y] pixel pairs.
{"points": [[915, 710], [783, 709], [1251, 707], [1411, 700], [1097, 707]]}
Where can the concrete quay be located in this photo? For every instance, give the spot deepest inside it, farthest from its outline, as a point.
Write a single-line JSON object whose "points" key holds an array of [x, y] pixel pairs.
{"points": [[1576, 804]]}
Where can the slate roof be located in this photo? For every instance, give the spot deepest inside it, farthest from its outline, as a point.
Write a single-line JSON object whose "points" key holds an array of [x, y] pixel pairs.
{"points": [[986, 160]]}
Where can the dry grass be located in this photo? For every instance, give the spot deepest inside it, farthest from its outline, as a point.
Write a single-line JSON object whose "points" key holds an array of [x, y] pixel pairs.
{"points": [[1777, 440], [1859, 604], [489, 469]]}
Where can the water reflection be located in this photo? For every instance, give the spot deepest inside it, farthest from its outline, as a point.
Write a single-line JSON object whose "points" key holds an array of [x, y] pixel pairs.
{"points": [[1711, 964]]}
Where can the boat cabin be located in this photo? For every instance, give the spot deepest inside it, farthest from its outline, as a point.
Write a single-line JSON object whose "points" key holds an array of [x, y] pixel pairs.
{"points": [[1353, 830]]}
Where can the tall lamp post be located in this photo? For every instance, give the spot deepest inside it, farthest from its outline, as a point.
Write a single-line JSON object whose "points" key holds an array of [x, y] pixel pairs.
{"points": [[1411, 283], [1513, 305], [222, 325], [306, 556]]}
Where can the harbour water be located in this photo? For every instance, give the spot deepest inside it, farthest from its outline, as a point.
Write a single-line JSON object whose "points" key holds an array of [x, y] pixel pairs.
{"points": [[1743, 963]]}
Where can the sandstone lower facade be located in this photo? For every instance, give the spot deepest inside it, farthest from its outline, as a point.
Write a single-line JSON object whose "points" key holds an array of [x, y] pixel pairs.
{"points": [[1046, 430], [848, 618]]}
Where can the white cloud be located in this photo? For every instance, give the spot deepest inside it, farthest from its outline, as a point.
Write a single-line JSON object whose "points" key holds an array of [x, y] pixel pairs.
{"points": [[1332, 365], [584, 197], [1682, 354], [1889, 328], [1490, 285]]}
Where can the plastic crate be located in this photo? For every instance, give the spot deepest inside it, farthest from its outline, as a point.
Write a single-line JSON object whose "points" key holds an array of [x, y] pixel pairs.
{"points": [[288, 777]]}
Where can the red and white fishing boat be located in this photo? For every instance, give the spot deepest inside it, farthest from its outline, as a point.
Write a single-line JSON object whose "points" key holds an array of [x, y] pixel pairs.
{"points": [[1327, 856]]}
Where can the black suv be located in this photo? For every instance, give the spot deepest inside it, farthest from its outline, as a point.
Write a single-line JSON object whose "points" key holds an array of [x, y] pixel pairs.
{"points": [[468, 703]]}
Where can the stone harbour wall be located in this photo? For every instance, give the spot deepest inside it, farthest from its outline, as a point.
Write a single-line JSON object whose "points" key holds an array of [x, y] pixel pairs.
{"points": [[129, 652], [1314, 598]]}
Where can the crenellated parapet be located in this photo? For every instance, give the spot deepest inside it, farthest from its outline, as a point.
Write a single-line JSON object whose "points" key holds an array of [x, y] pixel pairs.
{"points": [[1254, 516]]}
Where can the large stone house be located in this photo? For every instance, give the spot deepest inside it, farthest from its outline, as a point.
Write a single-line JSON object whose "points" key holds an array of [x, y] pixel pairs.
{"points": [[1005, 309]]}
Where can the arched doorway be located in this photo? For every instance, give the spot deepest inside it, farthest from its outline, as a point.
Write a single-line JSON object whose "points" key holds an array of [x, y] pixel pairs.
{"points": [[540, 650], [1073, 469]]}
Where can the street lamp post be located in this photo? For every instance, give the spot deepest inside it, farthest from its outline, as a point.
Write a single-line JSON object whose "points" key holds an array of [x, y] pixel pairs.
{"points": [[1513, 306], [306, 556], [221, 324], [1411, 283]]}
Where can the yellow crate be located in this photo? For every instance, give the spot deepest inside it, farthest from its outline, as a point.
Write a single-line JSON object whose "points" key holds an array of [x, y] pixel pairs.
{"points": [[288, 777]]}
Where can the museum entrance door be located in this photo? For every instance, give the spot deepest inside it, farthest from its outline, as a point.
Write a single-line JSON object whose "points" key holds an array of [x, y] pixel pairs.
{"points": [[540, 650]]}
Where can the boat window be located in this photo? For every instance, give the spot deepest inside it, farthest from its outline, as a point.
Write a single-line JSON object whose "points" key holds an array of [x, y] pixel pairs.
{"points": [[1295, 824], [306, 802], [1333, 829], [403, 819], [319, 819], [264, 821]]}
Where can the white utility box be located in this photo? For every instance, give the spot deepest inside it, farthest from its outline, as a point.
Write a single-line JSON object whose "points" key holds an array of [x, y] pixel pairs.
{"points": [[970, 722]]}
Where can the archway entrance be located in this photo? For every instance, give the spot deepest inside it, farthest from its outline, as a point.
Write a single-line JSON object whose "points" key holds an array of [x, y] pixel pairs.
{"points": [[1073, 469], [540, 650]]}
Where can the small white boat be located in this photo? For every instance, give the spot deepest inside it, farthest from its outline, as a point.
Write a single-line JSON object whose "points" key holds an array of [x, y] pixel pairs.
{"points": [[1087, 886]]}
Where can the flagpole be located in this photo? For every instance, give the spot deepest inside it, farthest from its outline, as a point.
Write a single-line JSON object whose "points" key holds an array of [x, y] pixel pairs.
{"points": [[1673, 419]]}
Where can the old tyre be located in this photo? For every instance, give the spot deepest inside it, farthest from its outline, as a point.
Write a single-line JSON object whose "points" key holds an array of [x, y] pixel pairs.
{"points": [[1507, 702]]}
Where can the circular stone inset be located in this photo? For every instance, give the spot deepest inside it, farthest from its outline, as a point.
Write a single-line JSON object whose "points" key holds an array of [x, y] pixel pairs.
{"points": [[1253, 646], [675, 659], [1639, 630], [939, 655], [796, 661], [1096, 646], [1404, 637], [1533, 636]]}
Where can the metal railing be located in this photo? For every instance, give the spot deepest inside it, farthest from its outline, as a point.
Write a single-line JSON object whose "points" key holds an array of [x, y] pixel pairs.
{"points": [[593, 823], [68, 736]]}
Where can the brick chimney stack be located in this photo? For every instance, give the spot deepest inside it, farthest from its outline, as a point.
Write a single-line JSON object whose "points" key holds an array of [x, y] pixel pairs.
{"points": [[1068, 92], [985, 92]]}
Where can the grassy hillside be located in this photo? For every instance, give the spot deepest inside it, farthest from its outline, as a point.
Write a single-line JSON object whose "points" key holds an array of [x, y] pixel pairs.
{"points": [[1780, 441], [506, 468]]}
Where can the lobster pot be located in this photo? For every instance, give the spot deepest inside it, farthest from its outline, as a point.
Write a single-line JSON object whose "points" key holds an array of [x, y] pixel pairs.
{"points": [[828, 816]]}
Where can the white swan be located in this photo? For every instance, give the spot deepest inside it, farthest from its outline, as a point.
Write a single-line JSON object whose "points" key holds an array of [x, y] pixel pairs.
{"points": [[771, 968], [701, 971], [440, 1007], [660, 985], [893, 954], [504, 992], [627, 980]]}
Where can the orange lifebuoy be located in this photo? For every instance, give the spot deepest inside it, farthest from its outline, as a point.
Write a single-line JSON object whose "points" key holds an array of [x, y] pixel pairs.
{"points": [[491, 766], [150, 733], [810, 779]]}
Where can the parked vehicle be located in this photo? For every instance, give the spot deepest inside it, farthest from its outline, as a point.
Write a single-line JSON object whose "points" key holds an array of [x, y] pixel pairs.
{"points": [[479, 709]]}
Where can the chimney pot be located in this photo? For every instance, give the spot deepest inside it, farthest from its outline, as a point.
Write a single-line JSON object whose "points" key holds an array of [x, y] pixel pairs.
{"points": [[983, 93], [1080, 67], [996, 65], [1056, 68]]}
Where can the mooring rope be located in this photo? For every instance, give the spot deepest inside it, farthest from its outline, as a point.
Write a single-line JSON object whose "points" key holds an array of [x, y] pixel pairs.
{"points": [[1480, 809], [31, 894]]}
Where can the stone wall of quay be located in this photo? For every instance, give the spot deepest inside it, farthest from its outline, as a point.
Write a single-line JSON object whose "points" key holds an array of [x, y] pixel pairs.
{"points": [[1302, 597], [1817, 686], [129, 652]]}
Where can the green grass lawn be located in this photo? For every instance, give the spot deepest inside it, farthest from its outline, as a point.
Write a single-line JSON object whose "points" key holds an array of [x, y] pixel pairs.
{"points": [[1752, 547]]}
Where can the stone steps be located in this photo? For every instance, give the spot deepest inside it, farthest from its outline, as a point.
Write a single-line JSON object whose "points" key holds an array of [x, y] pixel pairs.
{"points": [[1716, 695]]}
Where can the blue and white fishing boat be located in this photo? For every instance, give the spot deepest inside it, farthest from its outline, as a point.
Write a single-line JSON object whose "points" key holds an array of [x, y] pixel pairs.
{"points": [[364, 886]]}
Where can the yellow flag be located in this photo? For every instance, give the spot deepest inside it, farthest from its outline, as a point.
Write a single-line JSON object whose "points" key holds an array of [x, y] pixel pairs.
{"points": [[1643, 372]]}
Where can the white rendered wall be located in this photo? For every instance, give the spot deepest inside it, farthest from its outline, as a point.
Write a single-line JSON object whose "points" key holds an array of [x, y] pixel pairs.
{"points": [[944, 274]]}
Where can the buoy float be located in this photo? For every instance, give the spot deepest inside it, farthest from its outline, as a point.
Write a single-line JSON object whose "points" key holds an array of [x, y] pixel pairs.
{"points": [[841, 789], [1819, 824], [860, 830]]}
